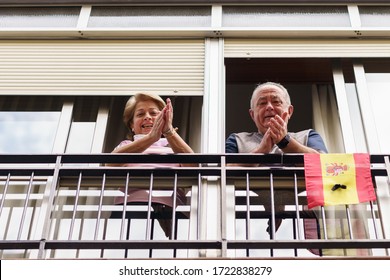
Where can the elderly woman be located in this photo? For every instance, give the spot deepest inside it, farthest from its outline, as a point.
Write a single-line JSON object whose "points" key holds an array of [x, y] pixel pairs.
{"points": [[148, 118]]}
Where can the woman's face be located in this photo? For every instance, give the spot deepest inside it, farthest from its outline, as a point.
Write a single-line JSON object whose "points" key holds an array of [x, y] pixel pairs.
{"points": [[144, 116]]}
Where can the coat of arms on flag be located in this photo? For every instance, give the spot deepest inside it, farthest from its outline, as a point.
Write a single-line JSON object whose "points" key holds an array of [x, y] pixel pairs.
{"points": [[336, 179]]}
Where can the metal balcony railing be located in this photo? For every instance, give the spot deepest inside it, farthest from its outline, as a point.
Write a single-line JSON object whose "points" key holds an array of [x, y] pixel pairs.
{"points": [[62, 206]]}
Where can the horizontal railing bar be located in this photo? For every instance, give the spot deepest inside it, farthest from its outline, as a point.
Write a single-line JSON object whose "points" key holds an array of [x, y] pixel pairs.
{"points": [[197, 244], [206, 171], [20, 171], [267, 215], [263, 158], [132, 244], [378, 158], [254, 200], [19, 244], [28, 158], [309, 244], [265, 172], [141, 158], [122, 171], [378, 171], [284, 159], [282, 215]]}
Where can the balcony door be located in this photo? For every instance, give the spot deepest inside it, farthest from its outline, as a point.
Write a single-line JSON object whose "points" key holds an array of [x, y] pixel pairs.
{"points": [[49, 124], [344, 99], [42, 125]]}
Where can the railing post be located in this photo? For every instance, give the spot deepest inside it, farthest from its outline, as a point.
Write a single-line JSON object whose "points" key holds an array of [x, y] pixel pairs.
{"points": [[50, 204], [223, 207], [383, 199]]}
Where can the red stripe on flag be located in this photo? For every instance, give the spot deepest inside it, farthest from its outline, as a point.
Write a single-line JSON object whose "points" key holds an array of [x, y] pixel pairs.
{"points": [[364, 186], [314, 183]]}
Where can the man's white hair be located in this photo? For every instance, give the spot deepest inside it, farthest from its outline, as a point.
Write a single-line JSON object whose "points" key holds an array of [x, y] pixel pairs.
{"points": [[259, 86]]}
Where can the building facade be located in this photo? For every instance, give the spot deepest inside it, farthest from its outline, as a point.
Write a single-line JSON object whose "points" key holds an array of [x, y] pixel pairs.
{"points": [[68, 67]]}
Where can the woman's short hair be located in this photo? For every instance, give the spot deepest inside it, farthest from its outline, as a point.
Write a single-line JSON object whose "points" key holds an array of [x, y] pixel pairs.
{"points": [[128, 114]]}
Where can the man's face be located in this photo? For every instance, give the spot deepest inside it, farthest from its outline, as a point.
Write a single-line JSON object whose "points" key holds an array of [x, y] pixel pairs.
{"points": [[268, 102]]}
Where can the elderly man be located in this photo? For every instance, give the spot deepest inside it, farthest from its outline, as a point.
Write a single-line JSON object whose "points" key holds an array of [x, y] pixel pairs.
{"points": [[271, 109]]}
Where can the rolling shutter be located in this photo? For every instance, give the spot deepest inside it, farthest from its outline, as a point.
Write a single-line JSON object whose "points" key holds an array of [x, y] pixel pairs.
{"points": [[241, 48], [101, 67]]}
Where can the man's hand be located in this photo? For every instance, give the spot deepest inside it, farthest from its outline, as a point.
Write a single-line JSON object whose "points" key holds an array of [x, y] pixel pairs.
{"points": [[278, 127], [266, 144]]}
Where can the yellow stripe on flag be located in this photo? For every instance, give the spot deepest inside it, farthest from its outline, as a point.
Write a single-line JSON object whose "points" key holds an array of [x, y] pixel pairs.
{"points": [[339, 169]]}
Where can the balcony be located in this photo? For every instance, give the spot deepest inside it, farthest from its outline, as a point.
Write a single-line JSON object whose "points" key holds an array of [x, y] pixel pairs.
{"points": [[62, 207]]}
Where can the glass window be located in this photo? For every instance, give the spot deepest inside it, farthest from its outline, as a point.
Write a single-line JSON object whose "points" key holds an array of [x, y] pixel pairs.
{"points": [[377, 81], [285, 16], [375, 16], [48, 17], [378, 86], [150, 17], [28, 132], [80, 137]]}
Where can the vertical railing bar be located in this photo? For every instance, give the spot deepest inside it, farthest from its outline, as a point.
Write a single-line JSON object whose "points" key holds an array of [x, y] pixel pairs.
{"points": [[80, 235], [173, 225], [248, 212], [343, 235], [272, 224], [175, 235], [3, 201], [295, 235], [324, 222], [374, 220], [153, 222], [347, 210], [42, 244], [104, 236], [100, 214], [100, 206], [75, 210], [387, 165], [198, 210], [5, 192], [127, 236], [223, 208], [298, 219], [76, 202], [31, 228], [375, 224], [148, 219], [122, 232], [24, 213]]}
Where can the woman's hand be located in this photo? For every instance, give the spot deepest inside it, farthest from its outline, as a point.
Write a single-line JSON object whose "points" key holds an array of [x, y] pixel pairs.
{"points": [[158, 127], [168, 117]]}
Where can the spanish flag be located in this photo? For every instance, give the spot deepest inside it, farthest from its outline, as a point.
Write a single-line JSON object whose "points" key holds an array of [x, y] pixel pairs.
{"points": [[335, 179]]}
